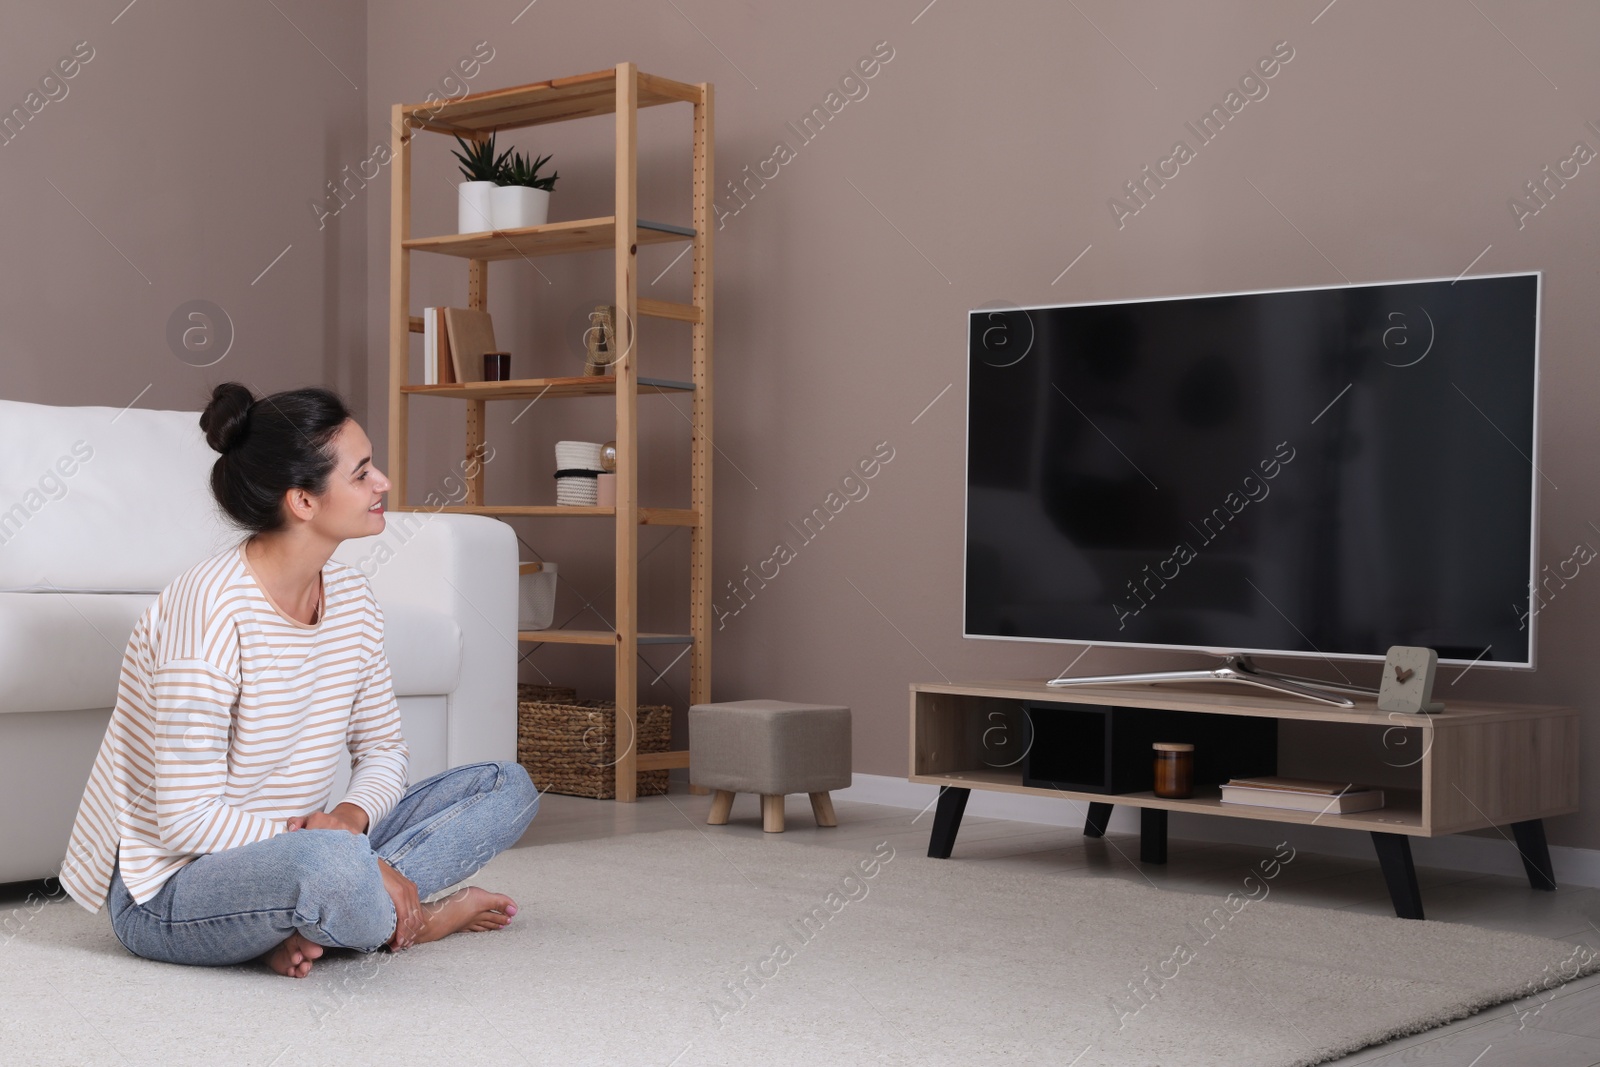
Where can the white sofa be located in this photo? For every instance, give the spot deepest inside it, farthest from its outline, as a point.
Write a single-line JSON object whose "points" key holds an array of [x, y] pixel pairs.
{"points": [[101, 508]]}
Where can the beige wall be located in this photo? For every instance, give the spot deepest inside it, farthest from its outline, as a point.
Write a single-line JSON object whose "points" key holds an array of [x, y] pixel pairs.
{"points": [[976, 168], [175, 166]]}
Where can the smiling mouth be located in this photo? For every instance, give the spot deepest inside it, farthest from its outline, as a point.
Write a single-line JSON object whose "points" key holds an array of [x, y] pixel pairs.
{"points": [[376, 507]]}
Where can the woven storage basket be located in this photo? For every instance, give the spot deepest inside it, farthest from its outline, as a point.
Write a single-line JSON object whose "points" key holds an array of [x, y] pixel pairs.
{"points": [[554, 694], [569, 746]]}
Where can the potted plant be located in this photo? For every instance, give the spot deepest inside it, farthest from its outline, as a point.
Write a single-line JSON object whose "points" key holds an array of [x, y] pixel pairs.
{"points": [[474, 197], [523, 196]]}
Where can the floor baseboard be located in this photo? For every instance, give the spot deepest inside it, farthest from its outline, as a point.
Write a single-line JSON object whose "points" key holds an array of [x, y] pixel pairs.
{"points": [[1458, 852]]}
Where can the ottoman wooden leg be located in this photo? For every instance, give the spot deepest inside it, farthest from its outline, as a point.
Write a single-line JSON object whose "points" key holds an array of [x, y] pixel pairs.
{"points": [[771, 813], [822, 808], [698, 790], [721, 804]]}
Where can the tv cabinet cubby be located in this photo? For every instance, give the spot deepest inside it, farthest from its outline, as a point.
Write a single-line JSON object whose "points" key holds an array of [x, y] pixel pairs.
{"points": [[1472, 766], [1099, 748]]}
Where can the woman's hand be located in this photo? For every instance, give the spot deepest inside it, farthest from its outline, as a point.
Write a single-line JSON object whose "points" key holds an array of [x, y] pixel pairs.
{"points": [[344, 817], [407, 906]]}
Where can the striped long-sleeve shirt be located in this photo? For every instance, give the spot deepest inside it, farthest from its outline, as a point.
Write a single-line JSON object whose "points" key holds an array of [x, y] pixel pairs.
{"points": [[231, 717]]}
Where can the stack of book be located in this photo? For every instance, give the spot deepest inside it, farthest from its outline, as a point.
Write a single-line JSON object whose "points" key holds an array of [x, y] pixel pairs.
{"points": [[1302, 794], [437, 369]]}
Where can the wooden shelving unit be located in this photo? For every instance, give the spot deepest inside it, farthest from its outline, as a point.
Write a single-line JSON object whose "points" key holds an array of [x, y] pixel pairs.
{"points": [[620, 92]]}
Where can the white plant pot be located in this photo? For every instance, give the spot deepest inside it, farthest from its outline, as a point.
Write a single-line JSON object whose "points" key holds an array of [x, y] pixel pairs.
{"points": [[517, 206], [475, 207]]}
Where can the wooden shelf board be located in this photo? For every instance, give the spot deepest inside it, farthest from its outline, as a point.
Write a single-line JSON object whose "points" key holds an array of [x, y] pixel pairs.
{"points": [[535, 388], [553, 238], [580, 96], [1403, 814], [647, 516], [661, 761], [666, 309], [597, 637], [668, 517]]}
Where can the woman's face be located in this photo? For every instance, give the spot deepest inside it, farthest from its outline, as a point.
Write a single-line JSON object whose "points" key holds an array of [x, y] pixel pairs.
{"points": [[353, 504]]}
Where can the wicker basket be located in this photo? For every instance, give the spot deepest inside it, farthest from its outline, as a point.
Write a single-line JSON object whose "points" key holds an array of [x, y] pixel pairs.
{"points": [[554, 694], [569, 746]]}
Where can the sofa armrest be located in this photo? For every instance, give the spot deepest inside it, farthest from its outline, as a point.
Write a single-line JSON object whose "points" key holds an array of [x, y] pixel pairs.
{"points": [[464, 566]]}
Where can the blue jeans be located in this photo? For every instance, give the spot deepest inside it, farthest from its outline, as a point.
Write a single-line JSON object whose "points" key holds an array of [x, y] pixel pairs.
{"points": [[231, 906]]}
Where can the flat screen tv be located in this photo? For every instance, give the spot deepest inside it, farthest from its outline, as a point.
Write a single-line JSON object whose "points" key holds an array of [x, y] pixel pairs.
{"points": [[1320, 472]]}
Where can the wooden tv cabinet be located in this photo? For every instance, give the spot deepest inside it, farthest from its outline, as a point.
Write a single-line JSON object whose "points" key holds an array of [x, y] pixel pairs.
{"points": [[1471, 766]]}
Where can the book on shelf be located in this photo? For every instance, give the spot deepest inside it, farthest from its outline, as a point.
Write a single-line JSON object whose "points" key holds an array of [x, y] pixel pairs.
{"points": [[471, 334], [1302, 794], [1296, 785], [437, 368], [430, 341]]}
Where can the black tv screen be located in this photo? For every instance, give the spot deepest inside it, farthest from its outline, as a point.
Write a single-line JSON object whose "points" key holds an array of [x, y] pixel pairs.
{"points": [[1319, 472]]}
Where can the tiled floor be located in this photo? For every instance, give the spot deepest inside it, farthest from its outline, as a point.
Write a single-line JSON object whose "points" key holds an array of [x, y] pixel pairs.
{"points": [[1559, 1028]]}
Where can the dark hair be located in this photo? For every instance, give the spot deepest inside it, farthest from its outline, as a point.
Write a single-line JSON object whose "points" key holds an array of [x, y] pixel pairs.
{"points": [[269, 446]]}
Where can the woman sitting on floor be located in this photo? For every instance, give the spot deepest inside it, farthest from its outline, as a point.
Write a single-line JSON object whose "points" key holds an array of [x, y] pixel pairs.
{"points": [[203, 820]]}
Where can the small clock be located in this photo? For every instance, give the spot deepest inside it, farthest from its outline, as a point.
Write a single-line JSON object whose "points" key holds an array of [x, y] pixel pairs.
{"points": [[1408, 680]]}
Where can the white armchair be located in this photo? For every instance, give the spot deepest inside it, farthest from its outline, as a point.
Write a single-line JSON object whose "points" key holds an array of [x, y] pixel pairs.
{"points": [[100, 509]]}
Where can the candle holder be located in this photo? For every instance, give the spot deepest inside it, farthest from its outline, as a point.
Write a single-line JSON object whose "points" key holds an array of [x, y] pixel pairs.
{"points": [[1174, 769]]}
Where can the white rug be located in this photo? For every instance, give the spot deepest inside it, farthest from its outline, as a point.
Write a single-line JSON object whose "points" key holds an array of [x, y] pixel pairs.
{"points": [[634, 949]]}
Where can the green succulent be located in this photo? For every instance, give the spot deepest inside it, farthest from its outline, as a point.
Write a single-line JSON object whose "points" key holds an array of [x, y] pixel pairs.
{"points": [[480, 164], [521, 172]]}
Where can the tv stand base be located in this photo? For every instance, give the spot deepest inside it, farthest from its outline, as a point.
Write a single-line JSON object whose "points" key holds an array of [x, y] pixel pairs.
{"points": [[1237, 669]]}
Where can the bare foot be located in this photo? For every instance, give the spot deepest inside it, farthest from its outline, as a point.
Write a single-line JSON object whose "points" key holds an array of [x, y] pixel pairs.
{"points": [[293, 958], [472, 908]]}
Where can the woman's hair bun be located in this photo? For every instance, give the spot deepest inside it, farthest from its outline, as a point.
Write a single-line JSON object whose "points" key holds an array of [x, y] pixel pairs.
{"points": [[226, 418], [269, 446]]}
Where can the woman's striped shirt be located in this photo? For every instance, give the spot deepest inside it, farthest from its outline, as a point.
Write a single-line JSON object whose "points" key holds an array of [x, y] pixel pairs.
{"points": [[231, 717]]}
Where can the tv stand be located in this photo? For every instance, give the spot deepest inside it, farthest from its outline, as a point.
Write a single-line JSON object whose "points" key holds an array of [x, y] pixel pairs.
{"points": [[1233, 669], [1471, 766]]}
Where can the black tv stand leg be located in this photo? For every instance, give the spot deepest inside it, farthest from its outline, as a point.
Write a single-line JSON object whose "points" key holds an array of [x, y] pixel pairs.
{"points": [[1099, 818], [1535, 853], [1394, 856], [947, 820], [1152, 835]]}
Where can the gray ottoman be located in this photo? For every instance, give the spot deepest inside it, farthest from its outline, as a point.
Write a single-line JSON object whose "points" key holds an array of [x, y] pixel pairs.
{"points": [[770, 747]]}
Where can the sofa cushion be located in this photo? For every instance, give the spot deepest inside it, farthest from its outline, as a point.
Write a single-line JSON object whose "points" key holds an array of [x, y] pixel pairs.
{"points": [[63, 651], [101, 499]]}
